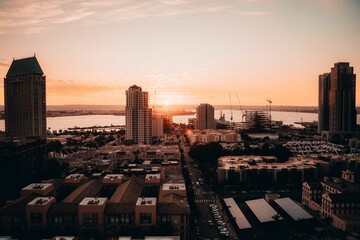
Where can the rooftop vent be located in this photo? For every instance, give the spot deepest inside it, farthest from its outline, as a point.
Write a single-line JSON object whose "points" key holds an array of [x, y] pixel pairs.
{"points": [[94, 202], [40, 201], [38, 186]]}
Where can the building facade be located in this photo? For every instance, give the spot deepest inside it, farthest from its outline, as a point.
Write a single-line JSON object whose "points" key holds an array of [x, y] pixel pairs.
{"points": [[131, 206], [205, 117], [337, 200], [138, 118], [323, 110], [337, 108], [342, 111], [25, 99], [21, 162]]}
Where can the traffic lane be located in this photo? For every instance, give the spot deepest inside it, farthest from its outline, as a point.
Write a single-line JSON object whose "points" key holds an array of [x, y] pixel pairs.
{"points": [[206, 230]]}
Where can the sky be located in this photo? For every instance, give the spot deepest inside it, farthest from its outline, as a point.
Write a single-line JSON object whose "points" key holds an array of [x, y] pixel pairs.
{"points": [[181, 51]]}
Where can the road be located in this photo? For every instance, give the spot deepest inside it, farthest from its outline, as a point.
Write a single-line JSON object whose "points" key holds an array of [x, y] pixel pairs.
{"points": [[203, 198]]}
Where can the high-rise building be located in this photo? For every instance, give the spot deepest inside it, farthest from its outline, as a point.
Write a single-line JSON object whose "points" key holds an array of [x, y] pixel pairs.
{"points": [[138, 116], [323, 110], [205, 117], [157, 125], [342, 108], [25, 99], [337, 109]]}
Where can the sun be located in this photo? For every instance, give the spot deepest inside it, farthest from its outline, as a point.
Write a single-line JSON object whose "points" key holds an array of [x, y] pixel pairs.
{"points": [[166, 103]]}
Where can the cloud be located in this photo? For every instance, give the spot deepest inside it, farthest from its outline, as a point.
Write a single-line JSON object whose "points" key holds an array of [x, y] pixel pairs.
{"points": [[32, 16], [77, 88], [331, 4]]}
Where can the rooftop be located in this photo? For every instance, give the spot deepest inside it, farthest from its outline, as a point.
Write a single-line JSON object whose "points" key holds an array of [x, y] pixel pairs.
{"points": [[40, 201], [152, 176], [114, 176], [293, 209], [24, 66], [37, 186], [262, 210], [174, 186], [142, 201], [238, 215], [75, 176], [341, 185], [93, 201]]}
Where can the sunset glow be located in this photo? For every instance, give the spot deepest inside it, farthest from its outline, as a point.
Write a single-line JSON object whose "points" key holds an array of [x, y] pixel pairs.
{"points": [[188, 51]]}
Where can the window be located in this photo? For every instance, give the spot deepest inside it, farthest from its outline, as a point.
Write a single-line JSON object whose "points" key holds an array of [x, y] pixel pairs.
{"points": [[68, 219], [58, 219], [114, 219], [35, 217], [90, 218], [124, 218], [165, 218], [145, 218], [17, 219]]}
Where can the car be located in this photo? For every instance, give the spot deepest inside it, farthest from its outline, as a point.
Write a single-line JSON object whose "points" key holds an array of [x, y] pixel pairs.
{"points": [[226, 234]]}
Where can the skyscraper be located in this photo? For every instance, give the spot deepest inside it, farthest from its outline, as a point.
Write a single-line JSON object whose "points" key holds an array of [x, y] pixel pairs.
{"points": [[138, 118], [205, 117], [25, 99], [323, 110], [342, 108], [337, 109]]}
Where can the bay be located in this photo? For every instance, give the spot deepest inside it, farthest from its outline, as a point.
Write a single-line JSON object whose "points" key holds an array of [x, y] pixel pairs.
{"points": [[57, 123]]}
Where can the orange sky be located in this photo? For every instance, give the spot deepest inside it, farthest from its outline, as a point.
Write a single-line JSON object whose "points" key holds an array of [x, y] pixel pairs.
{"points": [[188, 51]]}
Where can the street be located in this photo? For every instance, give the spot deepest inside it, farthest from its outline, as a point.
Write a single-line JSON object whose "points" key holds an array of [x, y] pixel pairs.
{"points": [[206, 226]]}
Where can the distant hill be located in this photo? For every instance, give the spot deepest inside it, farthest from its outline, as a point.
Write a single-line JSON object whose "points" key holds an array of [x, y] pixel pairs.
{"points": [[79, 107]]}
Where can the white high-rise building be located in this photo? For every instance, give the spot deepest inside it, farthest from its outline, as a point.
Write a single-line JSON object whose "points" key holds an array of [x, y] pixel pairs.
{"points": [[138, 119], [205, 117]]}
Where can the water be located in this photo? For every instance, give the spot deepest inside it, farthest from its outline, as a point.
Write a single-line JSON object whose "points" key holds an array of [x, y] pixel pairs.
{"points": [[63, 123], [57, 123], [286, 117]]}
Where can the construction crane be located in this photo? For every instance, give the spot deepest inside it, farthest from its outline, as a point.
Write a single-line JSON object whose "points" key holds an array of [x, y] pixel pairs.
{"points": [[242, 111], [231, 113], [270, 102]]}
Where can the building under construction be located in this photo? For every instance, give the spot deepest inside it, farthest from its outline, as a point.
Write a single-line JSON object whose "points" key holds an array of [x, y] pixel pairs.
{"points": [[257, 121]]}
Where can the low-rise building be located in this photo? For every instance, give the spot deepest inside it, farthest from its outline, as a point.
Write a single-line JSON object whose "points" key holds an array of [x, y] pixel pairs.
{"points": [[211, 135], [336, 199], [258, 169], [123, 204]]}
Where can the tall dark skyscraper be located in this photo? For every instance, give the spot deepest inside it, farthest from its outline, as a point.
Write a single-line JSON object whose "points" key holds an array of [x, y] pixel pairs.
{"points": [[337, 108], [342, 108], [25, 99], [323, 111]]}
